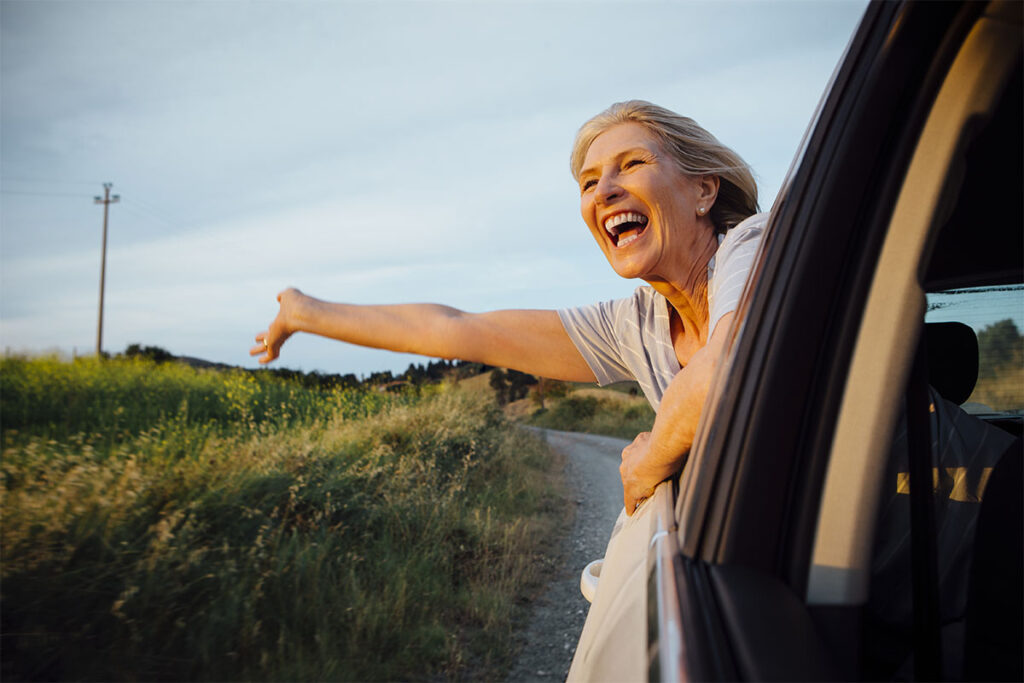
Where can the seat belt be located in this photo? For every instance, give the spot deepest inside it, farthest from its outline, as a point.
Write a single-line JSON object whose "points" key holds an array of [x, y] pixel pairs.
{"points": [[924, 562]]}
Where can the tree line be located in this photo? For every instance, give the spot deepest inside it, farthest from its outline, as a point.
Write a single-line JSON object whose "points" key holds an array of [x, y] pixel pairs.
{"points": [[1000, 345], [415, 375]]}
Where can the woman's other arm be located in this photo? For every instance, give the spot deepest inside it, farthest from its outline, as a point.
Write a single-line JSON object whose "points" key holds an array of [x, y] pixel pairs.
{"points": [[526, 340], [656, 455]]}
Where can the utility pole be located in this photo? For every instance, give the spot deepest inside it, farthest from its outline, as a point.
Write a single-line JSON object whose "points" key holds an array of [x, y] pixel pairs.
{"points": [[106, 200]]}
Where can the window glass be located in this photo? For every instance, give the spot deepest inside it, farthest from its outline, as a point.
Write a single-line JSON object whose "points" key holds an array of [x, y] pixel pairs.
{"points": [[996, 314]]}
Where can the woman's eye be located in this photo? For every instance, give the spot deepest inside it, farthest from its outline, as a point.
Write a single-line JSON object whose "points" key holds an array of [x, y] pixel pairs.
{"points": [[587, 184], [633, 162]]}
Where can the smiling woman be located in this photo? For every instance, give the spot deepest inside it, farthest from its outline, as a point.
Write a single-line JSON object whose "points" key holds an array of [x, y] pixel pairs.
{"points": [[667, 204]]}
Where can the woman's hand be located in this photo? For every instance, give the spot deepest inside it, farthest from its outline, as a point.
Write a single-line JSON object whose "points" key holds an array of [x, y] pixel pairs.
{"points": [[280, 329], [638, 477]]}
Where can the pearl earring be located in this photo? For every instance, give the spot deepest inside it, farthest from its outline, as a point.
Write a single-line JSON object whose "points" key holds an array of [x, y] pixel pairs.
{"points": [[701, 210]]}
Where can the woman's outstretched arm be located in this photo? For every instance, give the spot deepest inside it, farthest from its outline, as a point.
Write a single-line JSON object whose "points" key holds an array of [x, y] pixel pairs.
{"points": [[532, 341]]}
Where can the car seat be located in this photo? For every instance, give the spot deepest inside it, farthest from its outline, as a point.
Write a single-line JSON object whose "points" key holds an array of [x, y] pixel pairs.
{"points": [[960, 453], [952, 358]]}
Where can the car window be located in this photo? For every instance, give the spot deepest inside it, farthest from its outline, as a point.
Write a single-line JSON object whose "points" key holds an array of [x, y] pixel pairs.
{"points": [[996, 314]]}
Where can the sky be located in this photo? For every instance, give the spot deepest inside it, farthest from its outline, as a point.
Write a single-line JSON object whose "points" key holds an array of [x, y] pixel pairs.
{"points": [[366, 152]]}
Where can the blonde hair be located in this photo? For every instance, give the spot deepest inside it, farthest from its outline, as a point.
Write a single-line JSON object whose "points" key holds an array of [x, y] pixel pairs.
{"points": [[695, 151]]}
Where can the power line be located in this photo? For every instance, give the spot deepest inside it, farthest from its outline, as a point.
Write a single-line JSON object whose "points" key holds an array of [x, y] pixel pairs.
{"points": [[156, 213], [139, 211], [47, 194], [48, 181], [141, 208]]}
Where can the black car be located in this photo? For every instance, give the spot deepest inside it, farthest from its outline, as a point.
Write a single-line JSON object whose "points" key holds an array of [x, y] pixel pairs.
{"points": [[819, 530]]}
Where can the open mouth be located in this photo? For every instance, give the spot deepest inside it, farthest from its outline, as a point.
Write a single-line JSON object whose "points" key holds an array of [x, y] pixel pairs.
{"points": [[626, 227]]}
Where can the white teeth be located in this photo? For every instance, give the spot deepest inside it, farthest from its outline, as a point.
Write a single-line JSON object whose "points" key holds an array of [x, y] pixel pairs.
{"points": [[627, 239], [620, 218]]}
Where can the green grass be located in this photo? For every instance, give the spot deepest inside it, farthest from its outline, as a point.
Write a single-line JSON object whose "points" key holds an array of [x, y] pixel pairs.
{"points": [[355, 537], [123, 397], [597, 412]]}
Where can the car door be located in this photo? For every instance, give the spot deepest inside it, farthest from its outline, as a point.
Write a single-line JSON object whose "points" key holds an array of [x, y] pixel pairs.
{"points": [[756, 563]]}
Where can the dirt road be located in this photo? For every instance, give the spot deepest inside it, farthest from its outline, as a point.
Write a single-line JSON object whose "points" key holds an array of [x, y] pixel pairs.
{"points": [[550, 638]]}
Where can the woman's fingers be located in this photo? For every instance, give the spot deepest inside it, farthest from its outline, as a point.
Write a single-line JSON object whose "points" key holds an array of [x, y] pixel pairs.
{"points": [[260, 349], [269, 343], [635, 487], [634, 496], [263, 347]]}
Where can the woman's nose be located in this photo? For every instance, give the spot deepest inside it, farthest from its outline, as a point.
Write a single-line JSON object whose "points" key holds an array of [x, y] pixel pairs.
{"points": [[607, 190]]}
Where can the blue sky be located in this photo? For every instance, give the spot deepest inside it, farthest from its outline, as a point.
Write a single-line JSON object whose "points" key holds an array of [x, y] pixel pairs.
{"points": [[363, 152]]}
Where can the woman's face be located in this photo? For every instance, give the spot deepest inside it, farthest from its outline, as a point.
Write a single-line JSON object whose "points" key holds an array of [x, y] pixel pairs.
{"points": [[641, 209]]}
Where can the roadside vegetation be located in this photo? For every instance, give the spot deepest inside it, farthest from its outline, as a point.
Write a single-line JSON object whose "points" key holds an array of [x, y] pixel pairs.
{"points": [[1001, 367], [595, 411], [619, 410], [161, 522]]}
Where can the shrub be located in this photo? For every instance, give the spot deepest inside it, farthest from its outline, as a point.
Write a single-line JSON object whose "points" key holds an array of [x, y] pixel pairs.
{"points": [[619, 416]]}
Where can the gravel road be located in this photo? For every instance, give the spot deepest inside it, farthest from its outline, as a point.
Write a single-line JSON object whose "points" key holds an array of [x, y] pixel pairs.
{"points": [[549, 640]]}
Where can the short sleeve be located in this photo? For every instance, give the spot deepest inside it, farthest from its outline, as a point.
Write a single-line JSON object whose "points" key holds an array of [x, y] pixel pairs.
{"points": [[592, 330], [731, 266]]}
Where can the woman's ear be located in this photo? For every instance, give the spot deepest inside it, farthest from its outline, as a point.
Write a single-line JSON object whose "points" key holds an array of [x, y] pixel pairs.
{"points": [[707, 185]]}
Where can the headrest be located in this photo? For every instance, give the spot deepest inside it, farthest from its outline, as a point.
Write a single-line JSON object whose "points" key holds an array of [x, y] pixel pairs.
{"points": [[952, 359]]}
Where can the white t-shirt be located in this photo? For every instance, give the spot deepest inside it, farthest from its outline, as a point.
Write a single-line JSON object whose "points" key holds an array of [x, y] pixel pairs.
{"points": [[630, 339]]}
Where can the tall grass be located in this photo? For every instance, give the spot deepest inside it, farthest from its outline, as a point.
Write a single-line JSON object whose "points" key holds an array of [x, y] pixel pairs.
{"points": [[270, 546]]}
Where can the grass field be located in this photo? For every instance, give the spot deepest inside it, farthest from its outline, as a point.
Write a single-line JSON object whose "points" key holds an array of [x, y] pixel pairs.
{"points": [[164, 523]]}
